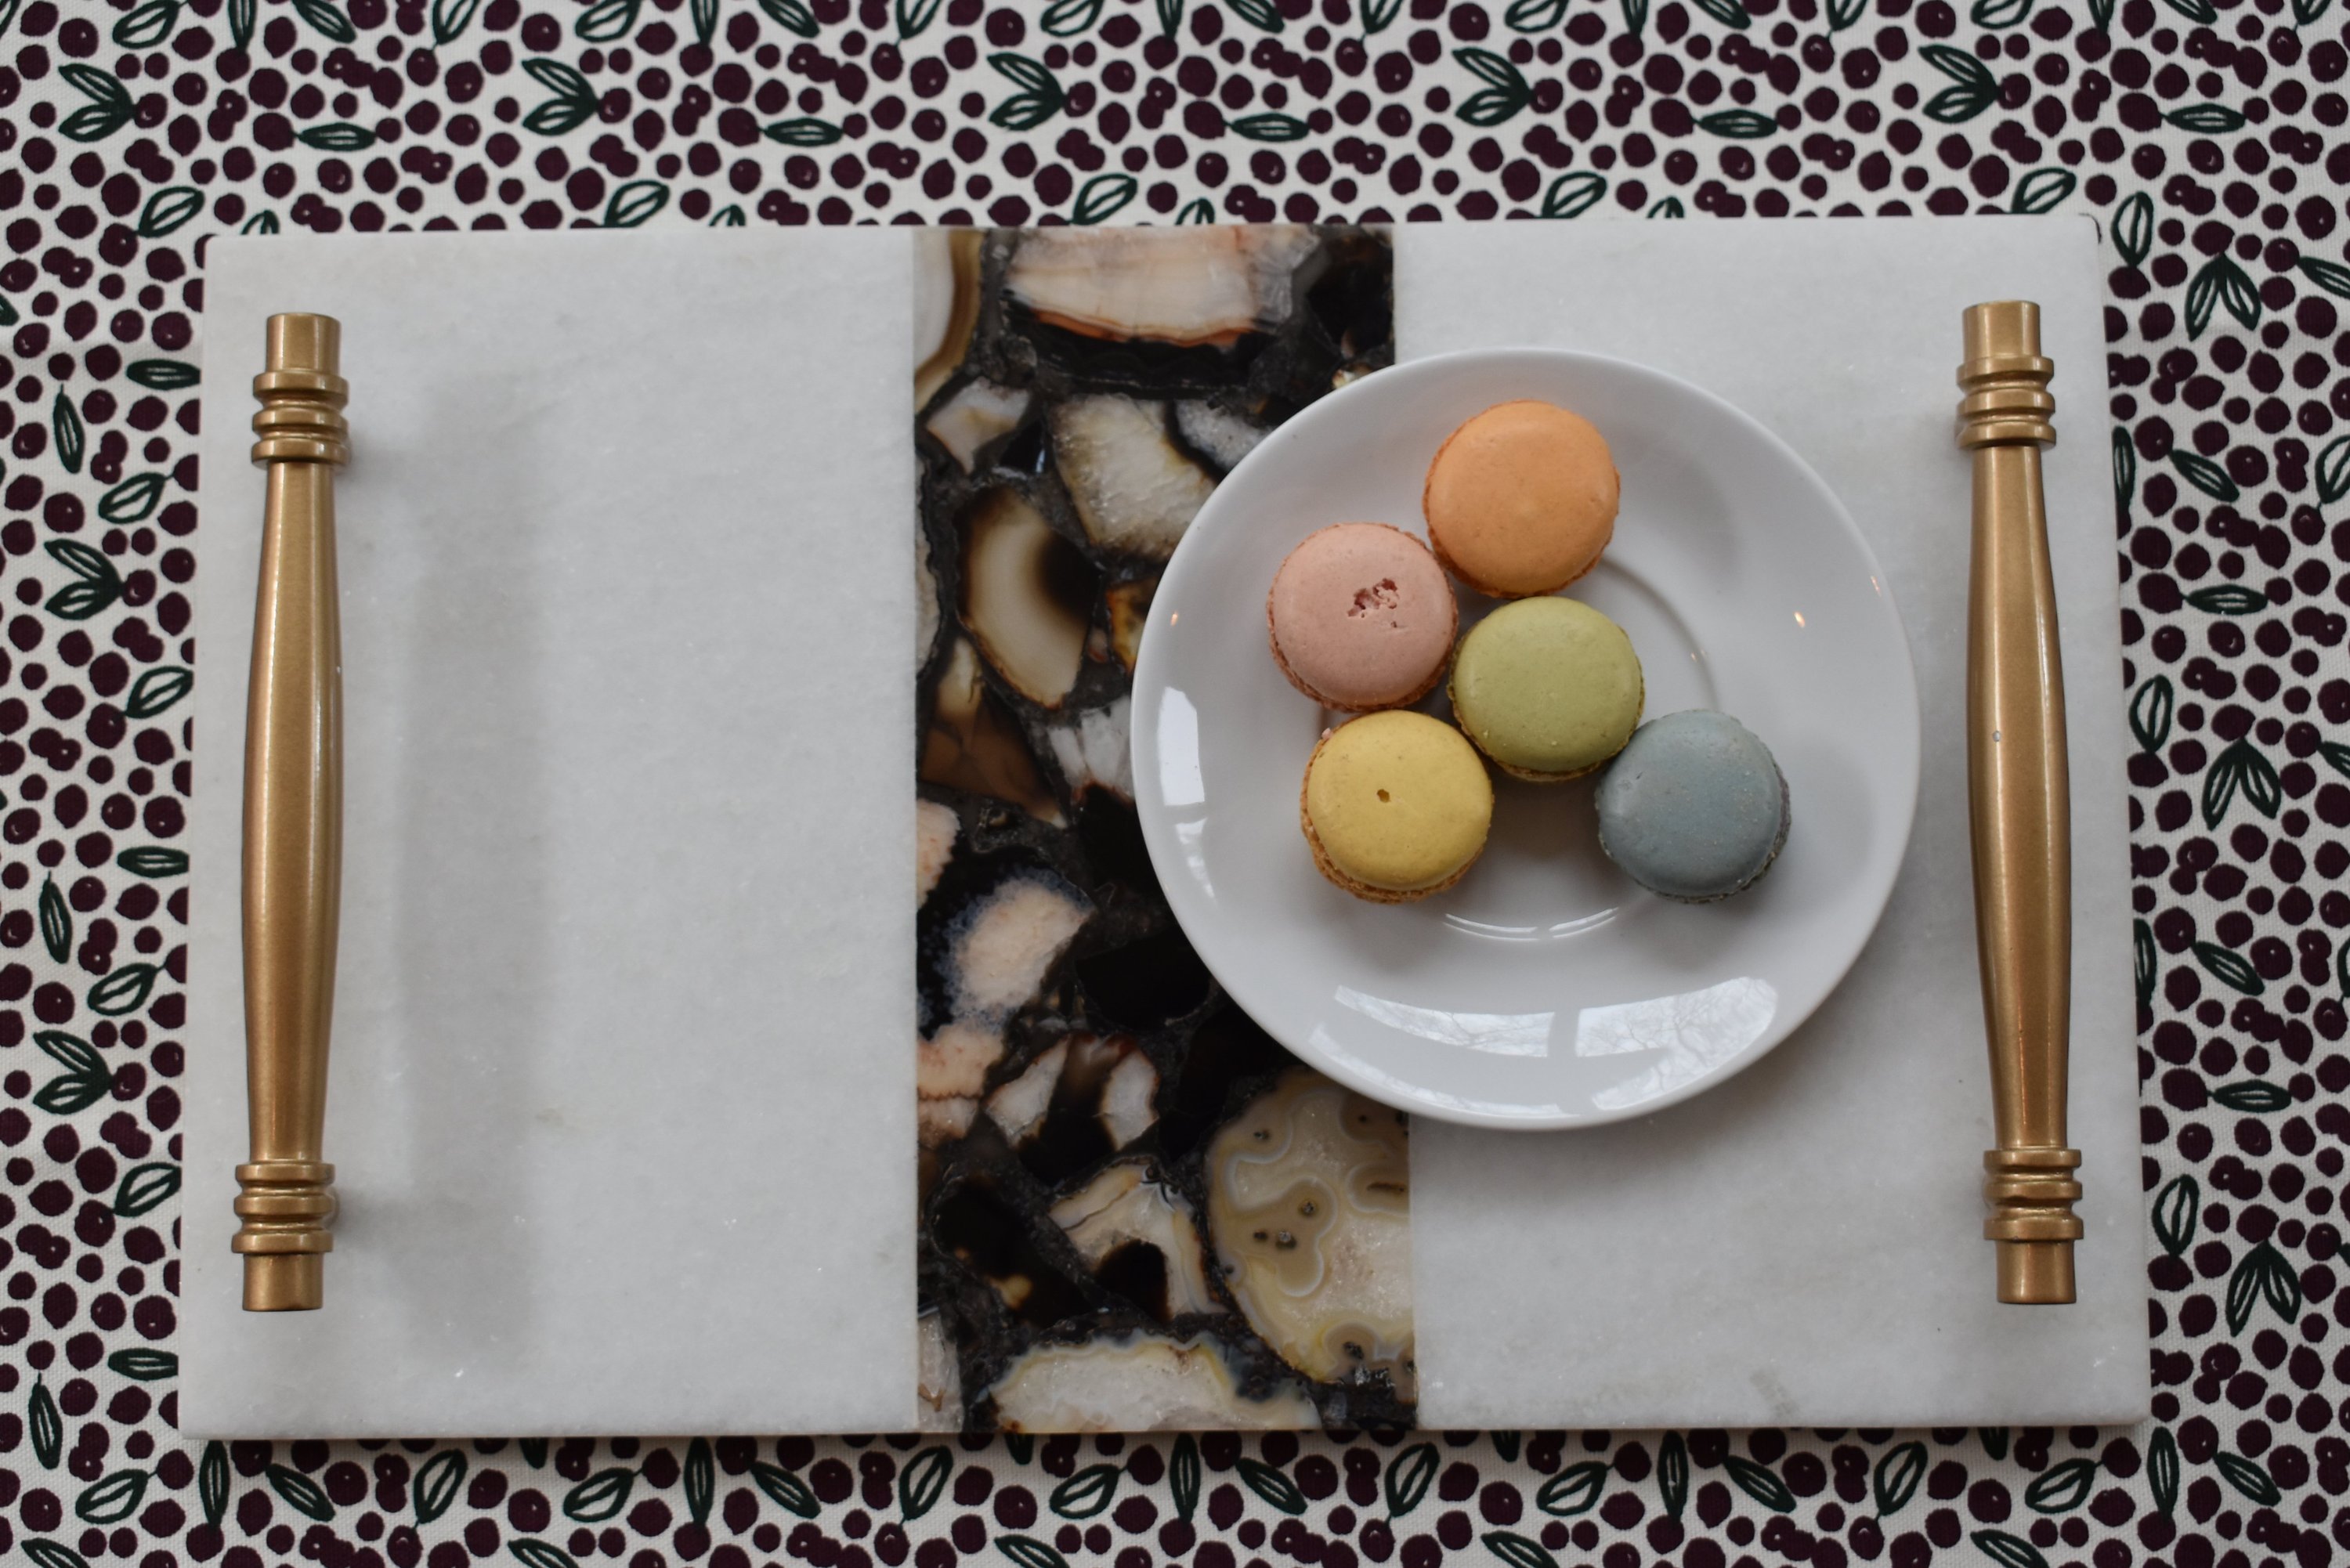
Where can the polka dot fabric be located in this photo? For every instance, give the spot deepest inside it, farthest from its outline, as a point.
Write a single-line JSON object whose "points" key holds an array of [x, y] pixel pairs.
{"points": [[2207, 138]]}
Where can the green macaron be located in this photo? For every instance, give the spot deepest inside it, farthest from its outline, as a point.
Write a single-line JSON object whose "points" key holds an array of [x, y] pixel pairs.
{"points": [[1548, 688]]}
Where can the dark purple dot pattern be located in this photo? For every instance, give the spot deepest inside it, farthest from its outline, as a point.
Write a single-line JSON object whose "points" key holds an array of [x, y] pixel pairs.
{"points": [[2206, 137]]}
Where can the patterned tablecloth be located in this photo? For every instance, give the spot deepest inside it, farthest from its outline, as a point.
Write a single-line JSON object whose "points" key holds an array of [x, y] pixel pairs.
{"points": [[2207, 137]]}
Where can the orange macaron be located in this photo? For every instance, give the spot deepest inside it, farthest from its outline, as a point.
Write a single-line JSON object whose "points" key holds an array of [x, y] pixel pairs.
{"points": [[1521, 499]]}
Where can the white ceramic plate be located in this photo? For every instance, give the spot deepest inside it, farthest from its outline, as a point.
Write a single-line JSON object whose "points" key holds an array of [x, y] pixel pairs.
{"points": [[1547, 990]]}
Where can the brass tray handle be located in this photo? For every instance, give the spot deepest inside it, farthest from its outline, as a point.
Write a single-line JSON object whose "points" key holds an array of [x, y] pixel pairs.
{"points": [[293, 820], [2019, 804]]}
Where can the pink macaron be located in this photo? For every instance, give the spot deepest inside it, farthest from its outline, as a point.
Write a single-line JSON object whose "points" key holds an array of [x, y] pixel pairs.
{"points": [[1361, 618]]}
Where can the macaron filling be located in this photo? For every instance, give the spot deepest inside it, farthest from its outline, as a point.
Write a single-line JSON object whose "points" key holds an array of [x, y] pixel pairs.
{"points": [[1397, 802], [1361, 616], [1548, 688], [1695, 808]]}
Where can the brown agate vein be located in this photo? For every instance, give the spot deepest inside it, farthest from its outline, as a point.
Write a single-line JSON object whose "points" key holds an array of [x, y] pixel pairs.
{"points": [[1027, 596], [975, 744], [1130, 610], [1123, 1210], [1092, 753], [1309, 1203], [1221, 437], [980, 413], [1186, 285], [946, 305], [1134, 490]]}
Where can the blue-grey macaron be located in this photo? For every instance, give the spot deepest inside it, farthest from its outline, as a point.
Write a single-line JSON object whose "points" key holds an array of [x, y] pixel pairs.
{"points": [[1693, 808]]}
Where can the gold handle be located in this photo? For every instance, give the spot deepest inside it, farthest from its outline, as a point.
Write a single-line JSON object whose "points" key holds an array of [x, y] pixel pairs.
{"points": [[293, 821], [2019, 804]]}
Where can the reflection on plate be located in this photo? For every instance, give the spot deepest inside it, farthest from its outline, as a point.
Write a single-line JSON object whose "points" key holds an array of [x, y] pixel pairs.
{"points": [[1547, 990]]}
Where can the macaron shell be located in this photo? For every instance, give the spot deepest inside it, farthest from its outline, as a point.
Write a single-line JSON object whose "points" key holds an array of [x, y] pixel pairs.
{"points": [[1396, 806], [1360, 618], [1548, 688], [1521, 499], [1696, 807], [1363, 891]]}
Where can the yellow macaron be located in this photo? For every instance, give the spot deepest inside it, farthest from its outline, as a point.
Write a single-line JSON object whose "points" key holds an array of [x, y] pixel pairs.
{"points": [[1396, 806]]}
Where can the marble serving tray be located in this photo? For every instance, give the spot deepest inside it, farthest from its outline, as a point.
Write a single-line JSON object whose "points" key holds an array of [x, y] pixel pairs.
{"points": [[624, 1086]]}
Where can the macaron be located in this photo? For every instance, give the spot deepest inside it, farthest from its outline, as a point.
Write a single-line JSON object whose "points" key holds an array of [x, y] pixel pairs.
{"points": [[1361, 618], [1548, 688], [1521, 499], [1695, 808], [1396, 806]]}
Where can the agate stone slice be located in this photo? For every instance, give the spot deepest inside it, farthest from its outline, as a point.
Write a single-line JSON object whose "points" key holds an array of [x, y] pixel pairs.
{"points": [[1695, 807]]}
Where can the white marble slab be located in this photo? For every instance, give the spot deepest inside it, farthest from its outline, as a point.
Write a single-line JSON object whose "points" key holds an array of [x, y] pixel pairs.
{"points": [[627, 921], [1801, 1246]]}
